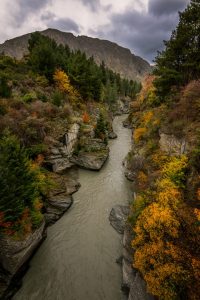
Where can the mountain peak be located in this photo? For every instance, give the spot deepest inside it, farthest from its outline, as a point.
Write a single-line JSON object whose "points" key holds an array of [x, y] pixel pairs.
{"points": [[117, 58]]}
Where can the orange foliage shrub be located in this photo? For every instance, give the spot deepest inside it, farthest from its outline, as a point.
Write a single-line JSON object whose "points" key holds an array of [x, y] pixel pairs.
{"points": [[86, 118], [139, 134], [147, 117]]}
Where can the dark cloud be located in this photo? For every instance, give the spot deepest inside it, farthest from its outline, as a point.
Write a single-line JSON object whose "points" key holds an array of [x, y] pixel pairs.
{"points": [[158, 7], [28, 7], [143, 32], [64, 24]]}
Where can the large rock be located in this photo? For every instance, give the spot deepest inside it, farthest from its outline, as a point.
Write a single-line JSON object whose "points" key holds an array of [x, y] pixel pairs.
{"points": [[60, 199], [15, 254], [112, 135], [91, 161], [61, 151], [93, 155], [118, 217]]}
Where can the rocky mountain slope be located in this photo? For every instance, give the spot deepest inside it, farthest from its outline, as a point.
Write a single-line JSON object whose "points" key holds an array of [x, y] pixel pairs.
{"points": [[117, 58]]}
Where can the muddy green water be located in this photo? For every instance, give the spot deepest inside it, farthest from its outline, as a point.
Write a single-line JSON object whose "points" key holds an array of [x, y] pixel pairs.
{"points": [[77, 260]]}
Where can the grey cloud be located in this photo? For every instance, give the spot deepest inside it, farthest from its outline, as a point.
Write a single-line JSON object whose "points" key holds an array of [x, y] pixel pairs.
{"points": [[143, 32], [64, 24], [158, 7], [28, 7], [94, 5]]}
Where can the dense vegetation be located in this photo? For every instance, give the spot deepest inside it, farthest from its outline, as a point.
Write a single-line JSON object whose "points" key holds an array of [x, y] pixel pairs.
{"points": [[41, 96], [179, 63], [165, 162], [92, 81]]}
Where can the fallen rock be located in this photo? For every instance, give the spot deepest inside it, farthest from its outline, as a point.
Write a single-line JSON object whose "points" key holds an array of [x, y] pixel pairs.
{"points": [[118, 217], [14, 255]]}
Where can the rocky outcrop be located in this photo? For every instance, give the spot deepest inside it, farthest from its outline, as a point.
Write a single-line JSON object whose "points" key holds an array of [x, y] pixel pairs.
{"points": [[118, 217], [58, 158], [173, 145], [132, 283], [117, 58], [14, 255], [60, 198], [92, 156]]}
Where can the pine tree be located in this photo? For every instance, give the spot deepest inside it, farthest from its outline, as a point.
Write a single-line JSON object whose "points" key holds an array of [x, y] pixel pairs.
{"points": [[180, 61], [18, 186]]}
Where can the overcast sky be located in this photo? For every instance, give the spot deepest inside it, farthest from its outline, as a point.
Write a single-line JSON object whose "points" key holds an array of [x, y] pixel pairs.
{"points": [[140, 25]]}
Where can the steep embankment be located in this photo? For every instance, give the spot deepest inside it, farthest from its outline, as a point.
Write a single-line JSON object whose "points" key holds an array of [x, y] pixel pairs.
{"points": [[164, 167], [117, 58]]}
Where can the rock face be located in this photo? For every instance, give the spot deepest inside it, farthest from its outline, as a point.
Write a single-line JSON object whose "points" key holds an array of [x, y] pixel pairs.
{"points": [[15, 254], [132, 283], [173, 145], [118, 217], [93, 156], [117, 58], [61, 151], [60, 198]]}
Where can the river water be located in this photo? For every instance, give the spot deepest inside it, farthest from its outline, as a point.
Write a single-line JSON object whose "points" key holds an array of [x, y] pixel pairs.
{"points": [[77, 260]]}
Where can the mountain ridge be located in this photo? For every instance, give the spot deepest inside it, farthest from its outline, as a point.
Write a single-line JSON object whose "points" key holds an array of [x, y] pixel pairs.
{"points": [[117, 58]]}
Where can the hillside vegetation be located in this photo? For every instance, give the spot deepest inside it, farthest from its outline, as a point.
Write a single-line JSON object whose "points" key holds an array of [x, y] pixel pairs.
{"points": [[165, 166], [41, 96]]}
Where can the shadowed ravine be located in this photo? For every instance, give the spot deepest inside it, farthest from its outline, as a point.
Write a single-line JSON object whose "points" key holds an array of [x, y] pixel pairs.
{"points": [[77, 260]]}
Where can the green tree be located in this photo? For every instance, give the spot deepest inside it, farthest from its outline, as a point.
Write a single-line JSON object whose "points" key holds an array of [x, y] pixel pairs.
{"points": [[180, 61], [101, 128], [18, 183]]}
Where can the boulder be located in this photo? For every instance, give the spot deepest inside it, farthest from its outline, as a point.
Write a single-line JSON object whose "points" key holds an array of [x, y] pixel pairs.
{"points": [[15, 254], [112, 135], [91, 160], [56, 207], [118, 217]]}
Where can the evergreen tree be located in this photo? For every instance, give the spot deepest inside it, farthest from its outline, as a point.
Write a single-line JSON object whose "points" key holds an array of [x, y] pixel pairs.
{"points": [[180, 61], [18, 183], [100, 130]]}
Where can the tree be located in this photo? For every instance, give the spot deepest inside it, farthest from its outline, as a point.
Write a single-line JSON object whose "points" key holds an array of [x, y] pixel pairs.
{"points": [[18, 182], [180, 61], [100, 130]]}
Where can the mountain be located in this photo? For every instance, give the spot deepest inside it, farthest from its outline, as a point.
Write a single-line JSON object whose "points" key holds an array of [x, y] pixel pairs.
{"points": [[117, 58]]}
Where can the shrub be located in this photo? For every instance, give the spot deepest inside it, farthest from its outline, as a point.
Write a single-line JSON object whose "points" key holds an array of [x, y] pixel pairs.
{"points": [[139, 134]]}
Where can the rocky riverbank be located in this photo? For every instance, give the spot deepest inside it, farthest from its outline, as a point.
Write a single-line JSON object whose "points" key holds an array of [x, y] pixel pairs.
{"points": [[132, 283], [63, 160]]}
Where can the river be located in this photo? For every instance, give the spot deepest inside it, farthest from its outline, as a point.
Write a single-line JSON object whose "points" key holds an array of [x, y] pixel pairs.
{"points": [[77, 260]]}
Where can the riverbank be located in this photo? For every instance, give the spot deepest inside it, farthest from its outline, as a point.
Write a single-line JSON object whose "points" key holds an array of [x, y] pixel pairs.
{"points": [[78, 257]]}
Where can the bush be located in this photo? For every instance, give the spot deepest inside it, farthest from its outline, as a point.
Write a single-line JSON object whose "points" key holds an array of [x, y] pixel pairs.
{"points": [[5, 89], [22, 184], [28, 98]]}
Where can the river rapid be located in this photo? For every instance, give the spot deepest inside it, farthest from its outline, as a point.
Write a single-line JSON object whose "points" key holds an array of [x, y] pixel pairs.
{"points": [[77, 260]]}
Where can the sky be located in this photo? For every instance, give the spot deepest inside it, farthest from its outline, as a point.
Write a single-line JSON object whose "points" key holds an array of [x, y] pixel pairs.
{"points": [[140, 25]]}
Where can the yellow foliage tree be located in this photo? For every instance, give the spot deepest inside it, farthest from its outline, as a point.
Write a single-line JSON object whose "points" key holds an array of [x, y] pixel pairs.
{"points": [[62, 82]]}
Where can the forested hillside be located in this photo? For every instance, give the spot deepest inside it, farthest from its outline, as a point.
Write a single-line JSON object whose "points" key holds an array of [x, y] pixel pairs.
{"points": [[165, 166], [41, 96]]}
